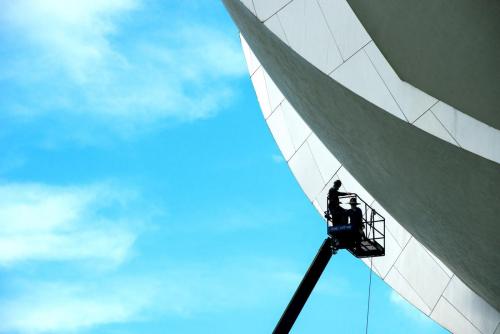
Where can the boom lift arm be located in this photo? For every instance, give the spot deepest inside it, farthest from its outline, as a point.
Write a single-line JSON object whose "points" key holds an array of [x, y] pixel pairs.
{"points": [[305, 288], [367, 241]]}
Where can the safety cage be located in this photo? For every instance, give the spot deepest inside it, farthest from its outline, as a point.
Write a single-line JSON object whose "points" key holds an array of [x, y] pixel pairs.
{"points": [[370, 242]]}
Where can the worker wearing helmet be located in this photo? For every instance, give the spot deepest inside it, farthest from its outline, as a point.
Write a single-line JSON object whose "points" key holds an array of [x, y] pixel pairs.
{"points": [[355, 218]]}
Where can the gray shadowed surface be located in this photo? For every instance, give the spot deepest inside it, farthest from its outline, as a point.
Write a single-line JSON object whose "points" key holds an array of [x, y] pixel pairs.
{"points": [[443, 195], [450, 49]]}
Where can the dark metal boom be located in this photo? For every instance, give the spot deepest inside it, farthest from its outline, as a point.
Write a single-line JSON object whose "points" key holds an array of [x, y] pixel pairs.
{"points": [[305, 288]]}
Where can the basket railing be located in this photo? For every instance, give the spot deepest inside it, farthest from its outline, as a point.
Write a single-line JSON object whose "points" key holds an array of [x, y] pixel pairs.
{"points": [[373, 222]]}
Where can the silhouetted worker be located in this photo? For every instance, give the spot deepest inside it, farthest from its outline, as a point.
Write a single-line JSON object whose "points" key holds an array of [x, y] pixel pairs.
{"points": [[356, 218], [337, 212]]}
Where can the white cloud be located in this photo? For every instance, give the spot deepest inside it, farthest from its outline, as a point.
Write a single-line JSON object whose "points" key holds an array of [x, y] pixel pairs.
{"points": [[181, 290], [86, 227], [84, 60], [45, 223], [230, 284], [71, 34], [62, 307], [235, 283]]}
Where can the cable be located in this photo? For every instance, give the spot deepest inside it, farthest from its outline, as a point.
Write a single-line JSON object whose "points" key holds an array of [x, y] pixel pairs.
{"points": [[369, 295]]}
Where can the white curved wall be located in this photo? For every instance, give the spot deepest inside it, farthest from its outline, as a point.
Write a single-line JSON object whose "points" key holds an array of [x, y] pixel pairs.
{"points": [[329, 36]]}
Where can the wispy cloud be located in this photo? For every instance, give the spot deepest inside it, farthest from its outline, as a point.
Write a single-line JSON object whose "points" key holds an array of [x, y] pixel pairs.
{"points": [[91, 61], [35, 218], [180, 290], [235, 283], [84, 225], [61, 306], [45, 223], [70, 36]]}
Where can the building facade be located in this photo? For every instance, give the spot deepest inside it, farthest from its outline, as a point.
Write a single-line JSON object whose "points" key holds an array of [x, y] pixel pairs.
{"points": [[424, 151]]}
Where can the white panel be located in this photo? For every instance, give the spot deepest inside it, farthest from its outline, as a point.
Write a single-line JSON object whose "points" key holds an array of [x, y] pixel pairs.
{"points": [[321, 212], [308, 34], [266, 8], [306, 172], [429, 123], [249, 5], [279, 130], [411, 100], [445, 314], [321, 198], [392, 251], [419, 268], [448, 115], [259, 84], [497, 331], [268, 94], [474, 308], [398, 283], [318, 207], [471, 134], [327, 163], [275, 26], [275, 96], [359, 75], [398, 232], [441, 264], [252, 61], [297, 128], [349, 33]]}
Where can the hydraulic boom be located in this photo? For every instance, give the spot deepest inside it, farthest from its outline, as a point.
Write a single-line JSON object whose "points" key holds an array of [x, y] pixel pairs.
{"points": [[305, 288]]}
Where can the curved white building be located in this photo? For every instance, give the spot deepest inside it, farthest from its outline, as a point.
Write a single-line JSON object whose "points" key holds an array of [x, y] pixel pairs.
{"points": [[424, 150]]}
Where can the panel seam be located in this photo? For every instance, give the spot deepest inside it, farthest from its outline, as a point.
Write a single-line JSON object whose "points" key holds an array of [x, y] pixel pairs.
{"points": [[397, 258], [276, 12], [298, 148], [330, 31], [315, 163], [415, 291], [463, 315], [452, 136], [425, 112], [385, 84], [442, 294], [355, 53], [255, 10]]}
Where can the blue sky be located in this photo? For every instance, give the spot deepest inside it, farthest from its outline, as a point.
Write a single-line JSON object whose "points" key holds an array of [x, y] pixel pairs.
{"points": [[140, 189]]}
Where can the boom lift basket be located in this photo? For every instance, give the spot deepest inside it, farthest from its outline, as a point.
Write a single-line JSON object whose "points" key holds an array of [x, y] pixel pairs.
{"points": [[368, 243]]}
